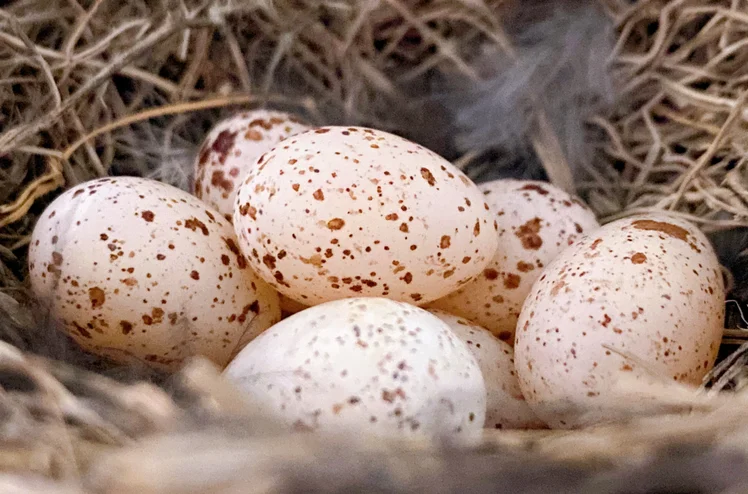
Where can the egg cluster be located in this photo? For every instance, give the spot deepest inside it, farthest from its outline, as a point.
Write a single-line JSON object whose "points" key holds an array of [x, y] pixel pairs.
{"points": [[348, 278]]}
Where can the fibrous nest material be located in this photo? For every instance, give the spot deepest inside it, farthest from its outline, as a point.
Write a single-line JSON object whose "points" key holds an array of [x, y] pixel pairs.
{"points": [[676, 140], [70, 431], [97, 87]]}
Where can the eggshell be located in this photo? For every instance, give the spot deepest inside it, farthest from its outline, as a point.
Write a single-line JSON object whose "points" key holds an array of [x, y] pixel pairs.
{"points": [[370, 365], [231, 149], [133, 268], [289, 306], [343, 212], [640, 295], [505, 406], [536, 221]]}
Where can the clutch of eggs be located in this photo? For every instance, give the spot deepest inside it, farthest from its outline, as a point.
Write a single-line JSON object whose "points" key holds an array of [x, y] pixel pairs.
{"points": [[352, 228]]}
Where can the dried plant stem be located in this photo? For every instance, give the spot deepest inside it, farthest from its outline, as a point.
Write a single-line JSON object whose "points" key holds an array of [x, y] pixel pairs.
{"points": [[18, 134], [732, 118]]}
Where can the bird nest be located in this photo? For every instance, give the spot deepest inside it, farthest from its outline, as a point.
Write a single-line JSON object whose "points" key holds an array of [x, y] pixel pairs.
{"points": [[90, 88]]}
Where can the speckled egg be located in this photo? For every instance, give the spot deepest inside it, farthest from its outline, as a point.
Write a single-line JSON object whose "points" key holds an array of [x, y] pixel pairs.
{"points": [[232, 148], [640, 295], [536, 221], [342, 212], [505, 406], [136, 269], [370, 365]]}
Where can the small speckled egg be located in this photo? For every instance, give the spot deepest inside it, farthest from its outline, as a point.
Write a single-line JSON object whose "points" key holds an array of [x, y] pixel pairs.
{"points": [[137, 269], [369, 365], [505, 406], [536, 221], [640, 295], [231, 149], [341, 212]]}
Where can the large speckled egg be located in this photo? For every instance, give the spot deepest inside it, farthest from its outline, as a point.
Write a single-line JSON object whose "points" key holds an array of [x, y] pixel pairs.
{"points": [[369, 365], [232, 147], [536, 221], [639, 296], [505, 406], [341, 212], [136, 269]]}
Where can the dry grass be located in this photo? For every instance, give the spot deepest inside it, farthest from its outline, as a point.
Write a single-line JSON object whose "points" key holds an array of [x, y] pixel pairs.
{"points": [[100, 87], [676, 139]]}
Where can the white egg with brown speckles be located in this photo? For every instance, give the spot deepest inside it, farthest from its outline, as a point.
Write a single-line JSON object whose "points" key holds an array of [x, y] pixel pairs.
{"points": [[505, 406], [341, 212], [536, 222], [136, 269], [232, 147], [640, 295], [369, 365]]}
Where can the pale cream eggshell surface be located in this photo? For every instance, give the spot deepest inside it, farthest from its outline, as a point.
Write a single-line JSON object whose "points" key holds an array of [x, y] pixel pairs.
{"points": [[505, 405], [536, 221], [639, 297], [137, 269], [342, 212], [368, 365]]}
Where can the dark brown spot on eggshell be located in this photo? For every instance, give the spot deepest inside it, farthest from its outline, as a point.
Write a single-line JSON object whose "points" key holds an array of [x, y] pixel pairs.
{"points": [[218, 179], [83, 331], [528, 234], [269, 261], [195, 224], [148, 216], [428, 176], [97, 297], [674, 231], [126, 327], [524, 267], [223, 144], [511, 281], [536, 188], [490, 274], [335, 224], [639, 258], [253, 135]]}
